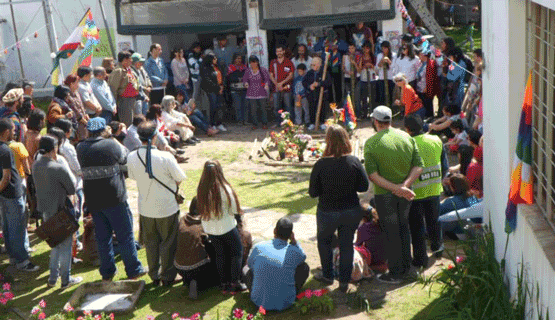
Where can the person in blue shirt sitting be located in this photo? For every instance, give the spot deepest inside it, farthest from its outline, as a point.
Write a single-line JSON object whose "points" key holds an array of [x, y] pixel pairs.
{"points": [[276, 270]]}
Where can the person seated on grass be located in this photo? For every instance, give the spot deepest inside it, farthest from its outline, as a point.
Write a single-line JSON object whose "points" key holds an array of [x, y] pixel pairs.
{"points": [[276, 270], [370, 240], [155, 114], [451, 113], [462, 198], [461, 137], [177, 121], [119, 131], [475, 172], [195, 115]]}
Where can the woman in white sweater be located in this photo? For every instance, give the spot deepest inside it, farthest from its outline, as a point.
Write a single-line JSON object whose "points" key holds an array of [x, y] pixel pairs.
{"points": [[217, 204], [407, 63]]}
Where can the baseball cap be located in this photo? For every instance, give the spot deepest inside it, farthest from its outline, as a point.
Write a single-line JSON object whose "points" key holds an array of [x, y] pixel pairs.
{"points": [[13, 95], [137, 57], [382, 113], [96, 124]]}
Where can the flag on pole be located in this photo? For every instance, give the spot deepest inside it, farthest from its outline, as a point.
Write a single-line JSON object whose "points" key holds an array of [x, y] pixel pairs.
{"points": [[349, 113], [92, 37], [522, 190]]}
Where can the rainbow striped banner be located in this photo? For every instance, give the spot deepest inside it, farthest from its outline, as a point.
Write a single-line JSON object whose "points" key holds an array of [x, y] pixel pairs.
{"points": [[92, 37], [522, 189]]}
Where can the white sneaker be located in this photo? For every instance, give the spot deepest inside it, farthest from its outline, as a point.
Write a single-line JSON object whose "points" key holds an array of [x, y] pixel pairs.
{"points": [[221, 128], [72, 281], [311, 127], [323, 127]]}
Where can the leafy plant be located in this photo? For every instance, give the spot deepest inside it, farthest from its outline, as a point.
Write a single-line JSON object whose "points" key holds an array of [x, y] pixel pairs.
{"points": [[311, 301]]}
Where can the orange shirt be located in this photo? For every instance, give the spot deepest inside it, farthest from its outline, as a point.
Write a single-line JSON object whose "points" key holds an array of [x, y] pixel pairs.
{"points": [[411, 100]]}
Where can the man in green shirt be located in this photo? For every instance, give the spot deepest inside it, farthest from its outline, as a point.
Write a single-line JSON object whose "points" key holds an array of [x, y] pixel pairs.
{"points": [[392, 162]]}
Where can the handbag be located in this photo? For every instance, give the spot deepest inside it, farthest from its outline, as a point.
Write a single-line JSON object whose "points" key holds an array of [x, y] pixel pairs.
{"points": [[178, 197], [59, 227]]}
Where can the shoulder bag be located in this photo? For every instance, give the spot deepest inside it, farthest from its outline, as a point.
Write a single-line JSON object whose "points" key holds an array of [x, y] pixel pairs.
{"points": [[59, 227], [178, 197]]}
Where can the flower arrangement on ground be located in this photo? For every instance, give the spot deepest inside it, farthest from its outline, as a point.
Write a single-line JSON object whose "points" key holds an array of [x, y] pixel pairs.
{"points": [[291, 141], [314, 301], [240, 314], [6, 294]]}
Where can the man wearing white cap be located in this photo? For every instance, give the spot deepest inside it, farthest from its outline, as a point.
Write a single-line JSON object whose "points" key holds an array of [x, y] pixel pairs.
{"points": [[12, 101], [393, 163]]}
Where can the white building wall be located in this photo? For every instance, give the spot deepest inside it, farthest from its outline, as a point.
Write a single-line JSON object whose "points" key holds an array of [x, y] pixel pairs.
{"points": [[504, 79]]}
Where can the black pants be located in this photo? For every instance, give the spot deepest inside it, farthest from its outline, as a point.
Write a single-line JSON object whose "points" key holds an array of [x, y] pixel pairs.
{"points": [[312, 98], [205, 276], [229, 255], [337, 88], [428, 104], [301, 274], [156, 96], [394, 220], [420, 211], [380, 92]]}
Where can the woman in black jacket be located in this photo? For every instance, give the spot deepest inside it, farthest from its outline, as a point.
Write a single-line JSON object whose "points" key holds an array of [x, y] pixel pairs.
{"points": [[335, 180], [212, 82]]}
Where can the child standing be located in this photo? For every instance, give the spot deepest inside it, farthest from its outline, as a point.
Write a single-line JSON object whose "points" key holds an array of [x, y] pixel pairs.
{"points": [[299, 92]]}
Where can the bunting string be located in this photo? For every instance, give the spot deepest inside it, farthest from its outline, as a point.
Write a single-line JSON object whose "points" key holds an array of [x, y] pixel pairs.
{"points": [[18, 44]]}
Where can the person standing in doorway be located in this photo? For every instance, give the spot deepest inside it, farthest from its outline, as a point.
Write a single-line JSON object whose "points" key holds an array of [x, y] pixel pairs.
{"points": [[281, 74], [156, 70], [393, 164]]}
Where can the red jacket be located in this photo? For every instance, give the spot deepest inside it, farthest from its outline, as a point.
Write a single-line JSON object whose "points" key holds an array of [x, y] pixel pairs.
{"points": [[432, 80]]}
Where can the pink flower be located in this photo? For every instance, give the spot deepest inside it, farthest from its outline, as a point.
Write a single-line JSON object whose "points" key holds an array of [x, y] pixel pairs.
{"points": [[149, 317], [42, 316], [6, 286], [250, 316], [112, 317], [238, 313], [42, 304], [262, 311], [308, 293], [8, 295], [97, 317], [87, 312], [317, 293], [3, 301], [80, 318], [459, 259], [175, 315], [35, 310], [68, 307], [196, 316]]}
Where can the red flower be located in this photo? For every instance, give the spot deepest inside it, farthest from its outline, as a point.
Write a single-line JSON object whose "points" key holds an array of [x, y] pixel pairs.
{"points": [[87, 313], [308, 293], [300, 295], [97, 317], [112, 317], [42, 303], [238, 313], [280, 111], [317, 293], [7, 287], [262, 311], [42, 316], [175, 315], [80, 318], [68, 307], [196, 316], [459, 259], [3, 301], [450, 267], [8, 295], [250, 317]]}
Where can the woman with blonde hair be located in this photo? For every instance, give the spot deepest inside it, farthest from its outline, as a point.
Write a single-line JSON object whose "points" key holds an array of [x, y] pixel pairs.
{"points": [[335, 180], [217, 204]]}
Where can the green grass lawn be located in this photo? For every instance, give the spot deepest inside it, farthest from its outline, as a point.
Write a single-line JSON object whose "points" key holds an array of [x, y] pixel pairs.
{"points": [[458, 33]]}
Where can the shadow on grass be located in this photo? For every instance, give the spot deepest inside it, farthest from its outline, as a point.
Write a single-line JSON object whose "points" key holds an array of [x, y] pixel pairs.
{"points": [[437, 309]]}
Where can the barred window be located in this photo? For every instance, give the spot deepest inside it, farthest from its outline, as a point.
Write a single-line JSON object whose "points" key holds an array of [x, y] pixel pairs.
{"points": [[541, 62]]}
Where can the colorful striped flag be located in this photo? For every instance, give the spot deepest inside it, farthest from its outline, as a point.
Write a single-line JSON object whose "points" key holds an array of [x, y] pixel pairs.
{"points": [[92, 37], [65, 51], [522, 190], [349, 113]]}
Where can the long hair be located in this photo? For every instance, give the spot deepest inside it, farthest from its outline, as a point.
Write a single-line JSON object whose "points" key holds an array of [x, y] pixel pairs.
{"points": [[337, 142], [465, 157], [459, 185], [209, 191], [298, 55], [387, 45], [411, 54]]}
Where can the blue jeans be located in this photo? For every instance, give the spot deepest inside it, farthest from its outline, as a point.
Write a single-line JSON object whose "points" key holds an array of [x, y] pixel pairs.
{"points": [[346, 223], [216, 102], [240, 105], [14, 228], [280, 99], [60, 258], [255, 106], [116, 219], [394, 221], [107, 115], [199, 121]]}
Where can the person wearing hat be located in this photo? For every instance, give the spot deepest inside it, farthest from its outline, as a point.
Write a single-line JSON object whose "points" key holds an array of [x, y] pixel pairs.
{"points": [[155, 171], [428, 189], [104, 187], [145, 86], [125, 87], [427, 81], [393, 164], [12, 101], [103, 94]]}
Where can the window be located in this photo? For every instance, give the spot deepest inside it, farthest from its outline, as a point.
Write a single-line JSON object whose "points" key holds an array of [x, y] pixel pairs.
{"points": [[541, 61]]}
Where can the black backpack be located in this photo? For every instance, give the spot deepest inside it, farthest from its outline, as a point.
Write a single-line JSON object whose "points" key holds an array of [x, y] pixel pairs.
{"points": [[469, 67]]}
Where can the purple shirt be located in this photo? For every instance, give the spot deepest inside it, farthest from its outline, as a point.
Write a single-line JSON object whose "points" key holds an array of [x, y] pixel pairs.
{"points": [[372, 237], [256, 82]]}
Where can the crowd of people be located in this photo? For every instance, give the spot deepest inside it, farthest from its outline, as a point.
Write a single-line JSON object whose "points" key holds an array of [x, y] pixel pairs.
{"points": [[110, 122]]}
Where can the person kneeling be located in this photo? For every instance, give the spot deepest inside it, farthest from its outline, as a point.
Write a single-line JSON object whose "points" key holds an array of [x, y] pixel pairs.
{"points": [[276, 270], [191, 258]]}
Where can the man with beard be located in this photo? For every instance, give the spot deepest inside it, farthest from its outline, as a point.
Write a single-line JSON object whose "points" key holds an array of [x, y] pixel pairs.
{"points": [[281, 74]]}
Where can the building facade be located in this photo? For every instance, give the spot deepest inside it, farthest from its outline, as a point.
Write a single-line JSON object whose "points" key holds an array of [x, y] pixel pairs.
{"points": [[518, 37]]}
